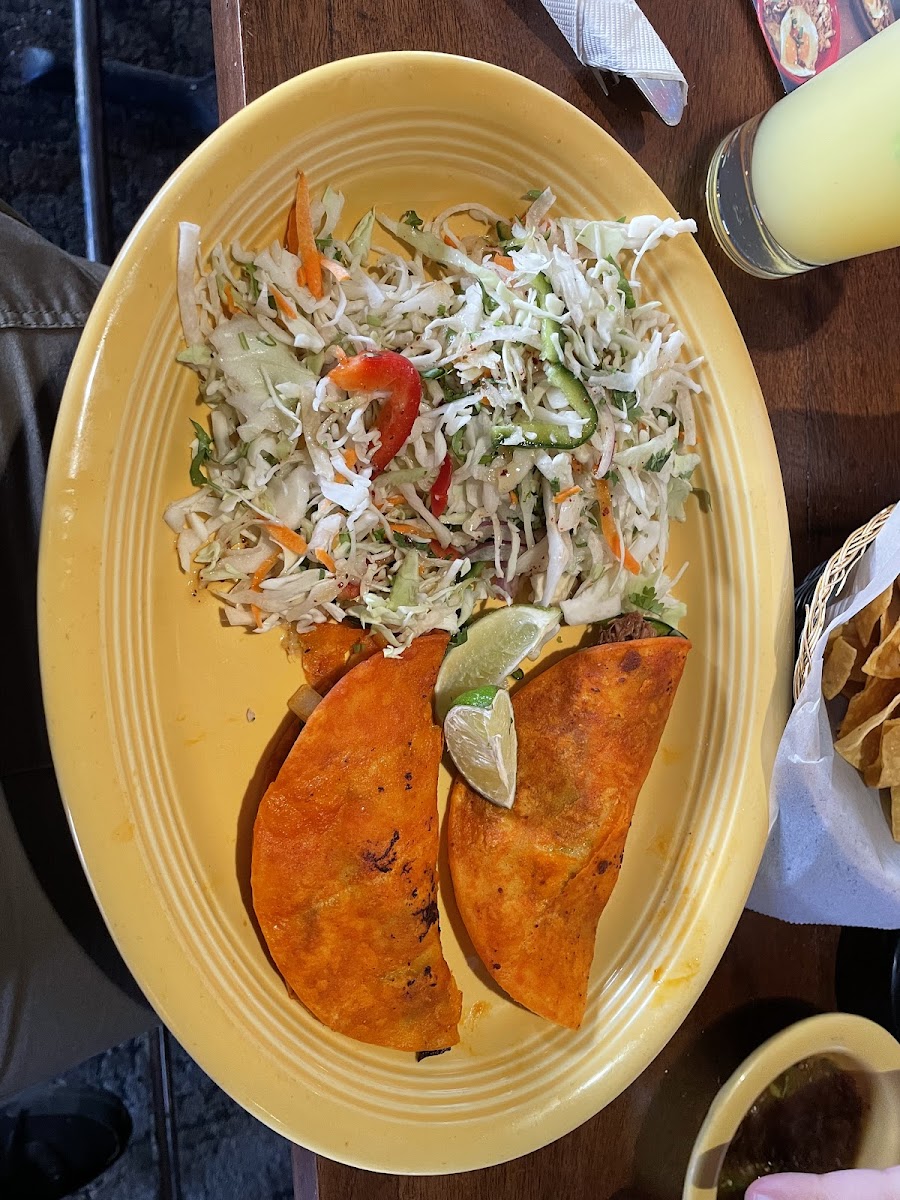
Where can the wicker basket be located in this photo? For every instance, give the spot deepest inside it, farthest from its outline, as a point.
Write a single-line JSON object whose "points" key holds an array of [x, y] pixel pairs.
{"points": [[832, 579]]}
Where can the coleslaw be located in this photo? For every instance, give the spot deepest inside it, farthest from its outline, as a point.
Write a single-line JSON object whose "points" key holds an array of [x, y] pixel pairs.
{"points": [[553, 442]]}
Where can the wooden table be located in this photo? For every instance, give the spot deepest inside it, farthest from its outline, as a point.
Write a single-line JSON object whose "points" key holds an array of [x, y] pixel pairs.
{"points": [[825, 347]]}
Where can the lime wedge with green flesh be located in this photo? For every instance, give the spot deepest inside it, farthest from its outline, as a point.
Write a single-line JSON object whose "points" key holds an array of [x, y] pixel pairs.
{"points": [[480, 732], [495, 645]]}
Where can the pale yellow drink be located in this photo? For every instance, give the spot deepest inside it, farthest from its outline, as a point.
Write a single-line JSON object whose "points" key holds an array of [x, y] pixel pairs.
{"points": [[825, 164]]}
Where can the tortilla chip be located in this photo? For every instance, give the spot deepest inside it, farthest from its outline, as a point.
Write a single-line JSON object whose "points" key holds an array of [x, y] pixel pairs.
{"points": [[345, 851], [895, 813], [891, 614], [875, 694], [836, 667], [857, 746], [884, 661], [865, 621], [862, 653], [851, 688], [885, 771], [330, 650], [532, 881]]}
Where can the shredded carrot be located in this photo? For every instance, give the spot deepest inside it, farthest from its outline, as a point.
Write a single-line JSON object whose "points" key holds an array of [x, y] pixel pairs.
{"points": [[350, 458], [289, 539], [485, 403], [262, 571], [608, 525], [440, 551], [301, 277], [257, 615], [229, 305], [566, 494], [405, 527], [513, 499], [448, 241], [394, 500], [326, 560], [284, 306], [338, 270], [306, 241], [503, 260]]}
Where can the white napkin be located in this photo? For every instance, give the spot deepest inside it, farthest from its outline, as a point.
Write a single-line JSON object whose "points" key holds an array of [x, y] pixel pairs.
{"points": [[830, 856], [614, 35]]}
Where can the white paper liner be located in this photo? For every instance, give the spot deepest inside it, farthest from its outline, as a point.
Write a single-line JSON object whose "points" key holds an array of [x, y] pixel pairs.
{"points": [[830, 857]]}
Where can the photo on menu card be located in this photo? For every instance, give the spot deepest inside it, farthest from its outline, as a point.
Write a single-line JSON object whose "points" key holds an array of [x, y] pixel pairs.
{"points": [[804, 38]]}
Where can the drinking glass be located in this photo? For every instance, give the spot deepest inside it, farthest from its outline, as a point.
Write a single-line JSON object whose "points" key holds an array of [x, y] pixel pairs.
{"points": [[816, 179]]}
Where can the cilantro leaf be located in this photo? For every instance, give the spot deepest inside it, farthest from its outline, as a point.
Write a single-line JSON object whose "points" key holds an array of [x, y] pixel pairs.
{"points": [[657, 461], [488, 301], [202, 456], [646, 600], [412, 218], [704, 499], [624, 283], [626, 400]]}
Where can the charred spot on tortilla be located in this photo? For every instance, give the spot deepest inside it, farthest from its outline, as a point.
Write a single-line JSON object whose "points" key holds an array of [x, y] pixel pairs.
{"points": [[428, 915], [384, 861], [588, 731], [631, 660]]}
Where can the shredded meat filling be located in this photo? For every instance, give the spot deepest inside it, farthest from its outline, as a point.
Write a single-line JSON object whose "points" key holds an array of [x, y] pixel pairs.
{"points": [[627, 628]]}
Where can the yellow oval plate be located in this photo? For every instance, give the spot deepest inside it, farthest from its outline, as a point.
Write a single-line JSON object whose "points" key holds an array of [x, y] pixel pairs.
{"points": [[150, 701]]}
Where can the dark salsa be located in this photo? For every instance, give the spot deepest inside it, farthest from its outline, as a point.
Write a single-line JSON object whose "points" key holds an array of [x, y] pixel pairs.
{"points": [[811, 1118]]}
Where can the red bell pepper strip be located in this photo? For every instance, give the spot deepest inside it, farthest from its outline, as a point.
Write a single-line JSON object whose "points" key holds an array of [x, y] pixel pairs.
{"points": [[385, 371], [441, 487]]}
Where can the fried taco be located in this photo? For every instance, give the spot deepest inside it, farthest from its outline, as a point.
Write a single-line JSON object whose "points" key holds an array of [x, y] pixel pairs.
{"points": [[345, 848], [532, 881]]}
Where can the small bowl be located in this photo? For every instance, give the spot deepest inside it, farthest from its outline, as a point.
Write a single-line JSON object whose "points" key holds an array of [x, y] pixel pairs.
{"points": [[854, 1043]]}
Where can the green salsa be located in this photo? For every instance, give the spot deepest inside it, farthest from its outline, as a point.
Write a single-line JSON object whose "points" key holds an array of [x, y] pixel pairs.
{"points": [[811, 1118]]}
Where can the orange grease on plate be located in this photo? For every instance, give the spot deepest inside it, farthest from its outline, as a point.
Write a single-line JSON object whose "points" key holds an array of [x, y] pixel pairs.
{"points": [[479, 1009], [687, 971], [123, 832], [660, 845]]}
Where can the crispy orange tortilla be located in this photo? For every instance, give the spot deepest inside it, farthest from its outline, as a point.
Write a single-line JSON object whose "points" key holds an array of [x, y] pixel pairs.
{"points": [[532, 881], [330, 650], [345, 850]]}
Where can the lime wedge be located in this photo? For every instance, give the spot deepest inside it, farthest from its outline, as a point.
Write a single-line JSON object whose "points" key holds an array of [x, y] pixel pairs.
{"points": [[481, 736], [496, 644]]}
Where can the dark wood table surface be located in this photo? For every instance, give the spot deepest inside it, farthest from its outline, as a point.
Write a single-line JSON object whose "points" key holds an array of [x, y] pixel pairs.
{"points": [[825, 347]]}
